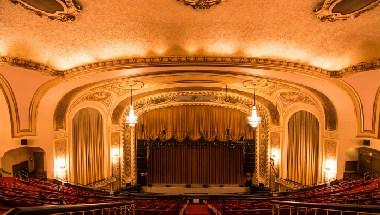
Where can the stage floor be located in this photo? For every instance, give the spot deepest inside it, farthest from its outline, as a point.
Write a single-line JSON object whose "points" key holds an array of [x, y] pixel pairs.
{"points": [[195, 189]]}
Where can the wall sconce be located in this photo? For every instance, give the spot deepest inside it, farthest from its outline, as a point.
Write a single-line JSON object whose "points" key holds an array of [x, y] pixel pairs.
{"points": [[330, 169], [275, 155], [274, 160], [60, 168], [115, 154]]}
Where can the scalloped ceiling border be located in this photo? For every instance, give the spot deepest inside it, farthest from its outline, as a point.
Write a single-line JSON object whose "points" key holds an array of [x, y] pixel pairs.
{"points": [[250, 62]]}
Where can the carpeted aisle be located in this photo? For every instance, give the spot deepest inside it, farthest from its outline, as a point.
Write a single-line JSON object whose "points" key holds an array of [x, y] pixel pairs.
{"points": [[196, 209]]}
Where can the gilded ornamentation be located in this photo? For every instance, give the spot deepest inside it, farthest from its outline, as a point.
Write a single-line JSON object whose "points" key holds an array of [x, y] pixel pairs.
{"points": [[127, 153], [60, 148], [62, 10], [149, 102], [115, 144], [259, 63], [103, 97], [266, 86], [29, 65], [201, 4], [262, 147], [287, 98], [249, 62], [328, 10], [330, 149], [120, 87]]}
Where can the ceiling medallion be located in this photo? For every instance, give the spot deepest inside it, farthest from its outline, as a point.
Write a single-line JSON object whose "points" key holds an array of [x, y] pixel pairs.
{"points": [[63, 10], [333, 10], [201, 4]]}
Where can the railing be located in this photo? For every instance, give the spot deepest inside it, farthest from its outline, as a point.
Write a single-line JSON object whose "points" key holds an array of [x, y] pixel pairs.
{"points": [[290, 207], [122, 208]]}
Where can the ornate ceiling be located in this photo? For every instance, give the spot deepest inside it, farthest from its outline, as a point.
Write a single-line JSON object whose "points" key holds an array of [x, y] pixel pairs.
{"points": [[275, 45], [285, 30]]}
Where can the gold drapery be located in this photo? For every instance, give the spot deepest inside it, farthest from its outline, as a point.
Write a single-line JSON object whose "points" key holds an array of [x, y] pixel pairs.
{"points": [[189, 163], [194, 121], [87, 146], [303, 148]]}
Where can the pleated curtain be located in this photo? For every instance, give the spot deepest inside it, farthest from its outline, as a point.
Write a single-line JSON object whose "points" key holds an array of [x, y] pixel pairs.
{"points": [[194, 121], [303, 148], [196, 164], [88, 146]]}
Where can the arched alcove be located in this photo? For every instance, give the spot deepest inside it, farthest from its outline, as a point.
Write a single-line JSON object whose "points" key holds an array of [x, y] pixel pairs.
{"points": [[303, 149], [87, 146], [24, 161]]}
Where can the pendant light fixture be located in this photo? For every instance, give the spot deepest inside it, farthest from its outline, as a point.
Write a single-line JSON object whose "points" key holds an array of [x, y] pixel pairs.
{"points": [[131, 118], [254, 120]]}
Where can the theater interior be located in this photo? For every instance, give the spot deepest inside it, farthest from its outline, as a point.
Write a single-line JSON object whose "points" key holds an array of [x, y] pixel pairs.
{"points": [[191, 107]]}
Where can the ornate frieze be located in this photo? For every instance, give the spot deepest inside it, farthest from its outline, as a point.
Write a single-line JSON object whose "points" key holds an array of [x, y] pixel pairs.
{"points": [[290, 97], [201, 4], [120, 87], [259, 63], [62, 10], [333, 10], [249, 62], [266, 86], [149, 102]]}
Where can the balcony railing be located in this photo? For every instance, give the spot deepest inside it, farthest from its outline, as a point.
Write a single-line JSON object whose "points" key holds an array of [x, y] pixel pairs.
{"points": [[122, 208], [290, 207]]}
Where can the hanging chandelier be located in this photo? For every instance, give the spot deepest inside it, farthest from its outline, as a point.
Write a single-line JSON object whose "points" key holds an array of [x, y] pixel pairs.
{"points": [[131, 118], [254, 120]]}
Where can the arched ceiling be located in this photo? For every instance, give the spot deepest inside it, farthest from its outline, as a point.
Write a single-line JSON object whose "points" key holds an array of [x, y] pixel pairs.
{"points": [[112, 29], [316, 46]]}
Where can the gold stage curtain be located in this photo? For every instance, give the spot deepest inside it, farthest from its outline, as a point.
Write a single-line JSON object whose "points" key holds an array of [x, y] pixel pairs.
{"points": [[88, 146], [303, 147], [196, 164], [194, 121]]}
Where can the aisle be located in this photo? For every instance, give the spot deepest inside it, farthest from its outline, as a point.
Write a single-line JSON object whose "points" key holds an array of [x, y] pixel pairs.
{"points": [[196, 209]]}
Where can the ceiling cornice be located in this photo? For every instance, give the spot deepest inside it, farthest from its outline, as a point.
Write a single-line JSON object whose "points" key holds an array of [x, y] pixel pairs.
{"points": [[248, 62], [27, 64]]}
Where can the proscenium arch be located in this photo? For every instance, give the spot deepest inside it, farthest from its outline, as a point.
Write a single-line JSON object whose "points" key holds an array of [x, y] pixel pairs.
{"points": [[62, 76], [61, 108], [121, 108], [262, 134]]}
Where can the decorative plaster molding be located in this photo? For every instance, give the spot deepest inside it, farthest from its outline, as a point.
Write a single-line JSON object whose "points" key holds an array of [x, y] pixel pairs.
{"points": [[290, 97], [267, 86], [29, 65], [248, 62], [326, 11], [103, 97], [201, 4], [361, 67], [120, 87], [67, 10], [256, 63], [60, 134]]}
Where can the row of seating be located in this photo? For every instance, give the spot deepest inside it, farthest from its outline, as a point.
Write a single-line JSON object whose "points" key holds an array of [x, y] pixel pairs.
{"points": [[36, 192], [157, 206]]}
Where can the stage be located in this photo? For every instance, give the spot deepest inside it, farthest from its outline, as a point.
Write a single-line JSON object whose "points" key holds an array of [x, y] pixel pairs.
{"points": [[180, 189]]}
